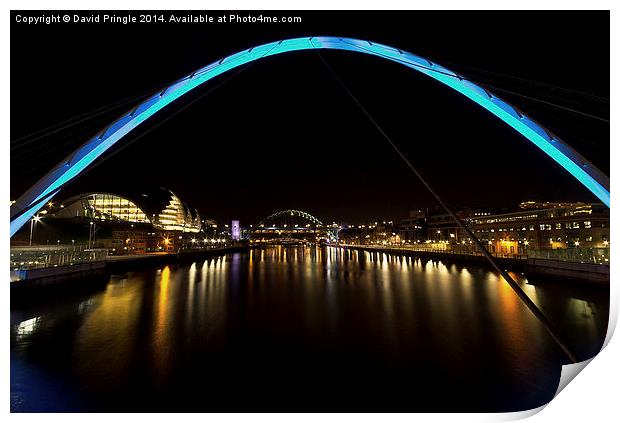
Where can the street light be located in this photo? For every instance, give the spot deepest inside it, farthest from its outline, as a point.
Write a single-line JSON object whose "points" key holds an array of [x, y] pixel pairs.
{"points": [[34, 220]]}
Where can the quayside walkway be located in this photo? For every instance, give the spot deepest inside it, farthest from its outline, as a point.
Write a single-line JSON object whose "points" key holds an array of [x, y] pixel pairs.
{"points": [[590, 265], [45, 265]]}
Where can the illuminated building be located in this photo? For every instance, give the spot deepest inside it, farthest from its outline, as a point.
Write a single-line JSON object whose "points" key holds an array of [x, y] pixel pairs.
{"points": [[134, 223], [412, 229], [176, 216], [165, 211], [372, 233], [533, 226], [235, 230], [544, 226]]}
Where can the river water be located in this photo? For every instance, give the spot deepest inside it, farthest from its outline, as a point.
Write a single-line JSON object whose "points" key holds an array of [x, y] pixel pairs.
{"points": [[300, 329]]}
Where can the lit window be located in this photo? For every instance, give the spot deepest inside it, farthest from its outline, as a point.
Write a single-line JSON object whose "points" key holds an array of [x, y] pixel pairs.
{"points": [[587, 224], [558, 226]]}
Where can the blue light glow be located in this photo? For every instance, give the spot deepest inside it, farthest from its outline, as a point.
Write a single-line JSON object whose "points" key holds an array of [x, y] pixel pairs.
{"points": [[22, 219], [569, 159]]}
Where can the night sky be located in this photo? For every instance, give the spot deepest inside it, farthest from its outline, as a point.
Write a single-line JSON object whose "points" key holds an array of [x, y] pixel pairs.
{"points": [[284, 134]]}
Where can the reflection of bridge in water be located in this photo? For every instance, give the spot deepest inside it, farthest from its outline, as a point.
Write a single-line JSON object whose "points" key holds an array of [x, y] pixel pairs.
{"points": [[293, 227]]}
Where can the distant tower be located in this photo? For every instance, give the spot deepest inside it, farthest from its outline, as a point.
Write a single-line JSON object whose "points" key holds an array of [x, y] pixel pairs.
{"points": [[235, 231]]}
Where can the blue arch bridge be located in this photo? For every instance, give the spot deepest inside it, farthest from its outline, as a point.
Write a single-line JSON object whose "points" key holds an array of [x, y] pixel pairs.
{"points": [[27, 205]]}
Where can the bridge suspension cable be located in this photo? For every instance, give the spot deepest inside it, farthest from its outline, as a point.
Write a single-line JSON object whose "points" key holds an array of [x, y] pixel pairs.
{"points": [[542, 318], [530, 81], [161, 122], [57, 127], [519, 89], [25, 151], [548, 103]]}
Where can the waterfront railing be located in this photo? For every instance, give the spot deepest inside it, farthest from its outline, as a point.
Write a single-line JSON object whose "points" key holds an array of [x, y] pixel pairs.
{"points": [[573, 255], [36, 257]]}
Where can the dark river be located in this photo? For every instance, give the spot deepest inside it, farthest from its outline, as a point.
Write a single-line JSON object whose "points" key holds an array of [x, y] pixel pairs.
{"points": [[299, 329]]}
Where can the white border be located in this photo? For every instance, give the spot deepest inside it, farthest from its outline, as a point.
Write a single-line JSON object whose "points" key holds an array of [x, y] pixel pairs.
{"points": [[592, 397]]}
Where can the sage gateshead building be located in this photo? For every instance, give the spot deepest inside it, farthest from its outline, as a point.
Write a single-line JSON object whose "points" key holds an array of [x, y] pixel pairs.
{"points": [[128, 223]]}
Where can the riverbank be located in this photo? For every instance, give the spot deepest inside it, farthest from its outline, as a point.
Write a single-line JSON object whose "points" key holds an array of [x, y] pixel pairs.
{"points": [[580, 273], [93, 274], [124, 263]]}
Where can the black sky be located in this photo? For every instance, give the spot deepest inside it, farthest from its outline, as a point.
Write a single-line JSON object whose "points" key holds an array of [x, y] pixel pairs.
{"points": [[284, 134]]}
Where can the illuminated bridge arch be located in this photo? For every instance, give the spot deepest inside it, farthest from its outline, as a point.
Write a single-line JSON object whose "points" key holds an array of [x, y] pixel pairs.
{"points": [[289, 218], [46, 188], [293, 225]]}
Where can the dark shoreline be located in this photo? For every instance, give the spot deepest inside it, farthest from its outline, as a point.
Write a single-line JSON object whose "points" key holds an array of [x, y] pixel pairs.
{"points": [[69, 279], [579, 274]]}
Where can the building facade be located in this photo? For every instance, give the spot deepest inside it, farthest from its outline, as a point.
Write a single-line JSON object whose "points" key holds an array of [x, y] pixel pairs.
{"points": [[148, 222], [543, 226], [530, 228]]}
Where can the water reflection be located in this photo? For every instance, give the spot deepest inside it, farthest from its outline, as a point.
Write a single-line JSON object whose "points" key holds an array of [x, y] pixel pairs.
{"points": [[431, 335], [27, 327]]}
